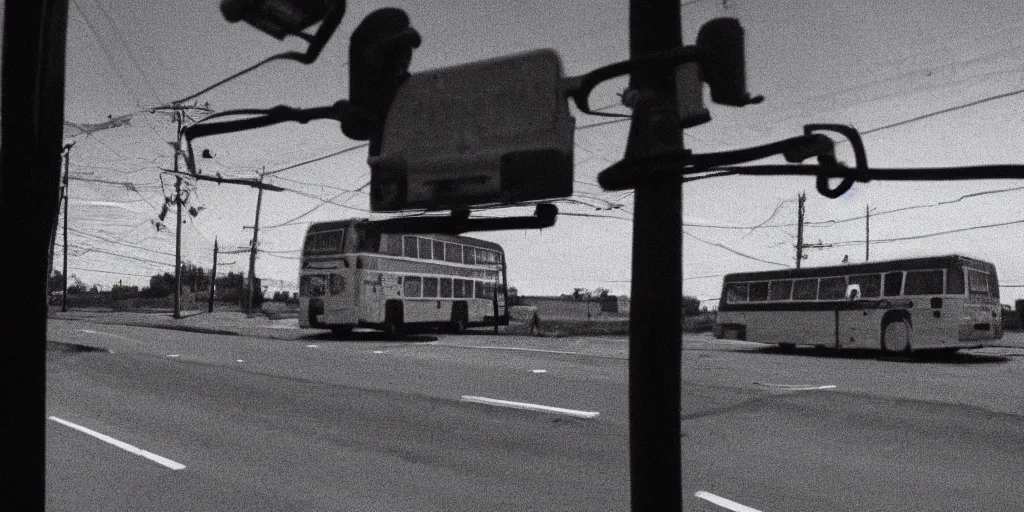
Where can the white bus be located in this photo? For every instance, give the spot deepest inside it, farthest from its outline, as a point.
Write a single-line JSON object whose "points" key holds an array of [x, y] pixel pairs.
{"points": [[353, 275], [944, 302]]}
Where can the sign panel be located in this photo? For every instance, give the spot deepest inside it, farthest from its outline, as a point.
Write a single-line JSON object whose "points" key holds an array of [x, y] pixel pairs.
{"points": [[491, 132]]}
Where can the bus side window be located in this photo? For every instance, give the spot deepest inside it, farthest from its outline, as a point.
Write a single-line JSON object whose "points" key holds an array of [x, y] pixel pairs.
{"points": [[923, 282], [412, 286], [893, 284], [446, 287], [870, 284], [759, 291], [805, 289], [469, 255], [480, 290], [453, 253], [780, 290], [410, 246], [394, 245], [430, 287], [438, 250], [736, 292], [425, 245], [458, 289], [832, 288]]}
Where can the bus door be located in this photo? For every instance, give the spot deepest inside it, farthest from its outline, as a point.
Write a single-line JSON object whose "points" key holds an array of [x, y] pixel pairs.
{"points": [[858, 320], [341, 305]]}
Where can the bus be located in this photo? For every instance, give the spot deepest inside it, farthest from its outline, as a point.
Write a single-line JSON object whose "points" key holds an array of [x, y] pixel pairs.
{"points": [[352, 274], [938, 302]]}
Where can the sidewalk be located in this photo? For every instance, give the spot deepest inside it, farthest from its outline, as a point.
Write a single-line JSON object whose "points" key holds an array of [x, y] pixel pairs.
{"points": [[219, 322]]}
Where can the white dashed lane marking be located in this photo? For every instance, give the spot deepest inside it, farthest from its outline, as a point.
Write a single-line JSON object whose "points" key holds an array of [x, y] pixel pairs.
{"points": [[529, 406], [724, 502], [163, 461]]}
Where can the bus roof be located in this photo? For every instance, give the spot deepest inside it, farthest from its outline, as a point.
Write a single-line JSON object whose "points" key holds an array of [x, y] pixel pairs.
{"points": [[943, 261], [317, 227]]}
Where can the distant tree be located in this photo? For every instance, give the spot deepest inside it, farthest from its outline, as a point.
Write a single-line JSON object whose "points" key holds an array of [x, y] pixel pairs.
{"points": [[56, 281], [601, 292], [691, 305], [513, 297], [76, 286]]}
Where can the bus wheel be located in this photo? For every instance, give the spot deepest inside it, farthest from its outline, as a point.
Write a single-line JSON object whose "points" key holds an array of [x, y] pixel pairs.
{"points": [[394, 319], [340, 331], [896, 337]]}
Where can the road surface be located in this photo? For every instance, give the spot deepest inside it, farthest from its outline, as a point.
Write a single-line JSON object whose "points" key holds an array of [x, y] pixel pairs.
{"points": [[371, 424]]}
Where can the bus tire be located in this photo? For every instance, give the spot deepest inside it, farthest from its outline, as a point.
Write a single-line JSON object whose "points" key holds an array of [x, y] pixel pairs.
{"points": [[460, 318], [394, 319], [896, 337], [340, 331]]}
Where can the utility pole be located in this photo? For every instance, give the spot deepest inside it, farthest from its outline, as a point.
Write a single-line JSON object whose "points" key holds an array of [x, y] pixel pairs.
{"points": [[252, 253], [867, 233], [64, 299], [56, 219], [800, 229], [177, 248], [213, 275], [655, 337]]}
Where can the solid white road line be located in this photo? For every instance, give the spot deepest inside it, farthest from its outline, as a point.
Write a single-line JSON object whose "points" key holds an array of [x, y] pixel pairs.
{"points": [[723, 502], [529, 407], [539, 371], [163, 461]]}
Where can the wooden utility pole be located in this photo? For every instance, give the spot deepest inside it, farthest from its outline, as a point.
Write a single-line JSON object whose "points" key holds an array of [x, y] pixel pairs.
{"points": [[177, 248], [655, 337], [252, 253], [213, 276], [56, 220], [800, 229], [64, 299], [867, 233], [177, 227]]}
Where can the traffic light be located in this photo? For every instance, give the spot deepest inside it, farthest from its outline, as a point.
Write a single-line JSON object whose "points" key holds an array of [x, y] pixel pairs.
{"points": [[380, 51], [722, 62]]}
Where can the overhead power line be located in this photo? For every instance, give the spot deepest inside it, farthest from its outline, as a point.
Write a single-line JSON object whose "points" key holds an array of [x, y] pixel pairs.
{"points": [[317, 159], [943, 111], [929, 235], [734, 251]]}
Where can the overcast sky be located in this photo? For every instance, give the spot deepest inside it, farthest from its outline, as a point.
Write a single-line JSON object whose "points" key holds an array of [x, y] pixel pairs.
{"points": [[865, 63]]}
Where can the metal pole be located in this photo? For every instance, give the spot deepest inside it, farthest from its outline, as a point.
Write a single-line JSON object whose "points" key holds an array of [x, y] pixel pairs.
{"points": [[213, 275], [655, 337], [252, 254], [64, 299], [867, 233], [800, 229]]}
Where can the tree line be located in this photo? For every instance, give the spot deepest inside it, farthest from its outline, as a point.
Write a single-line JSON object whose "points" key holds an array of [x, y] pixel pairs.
{"points": [[196, 279]]}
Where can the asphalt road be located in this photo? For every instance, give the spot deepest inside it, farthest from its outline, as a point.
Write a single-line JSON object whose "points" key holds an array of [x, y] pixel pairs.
{"points": [[371, 424]]}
